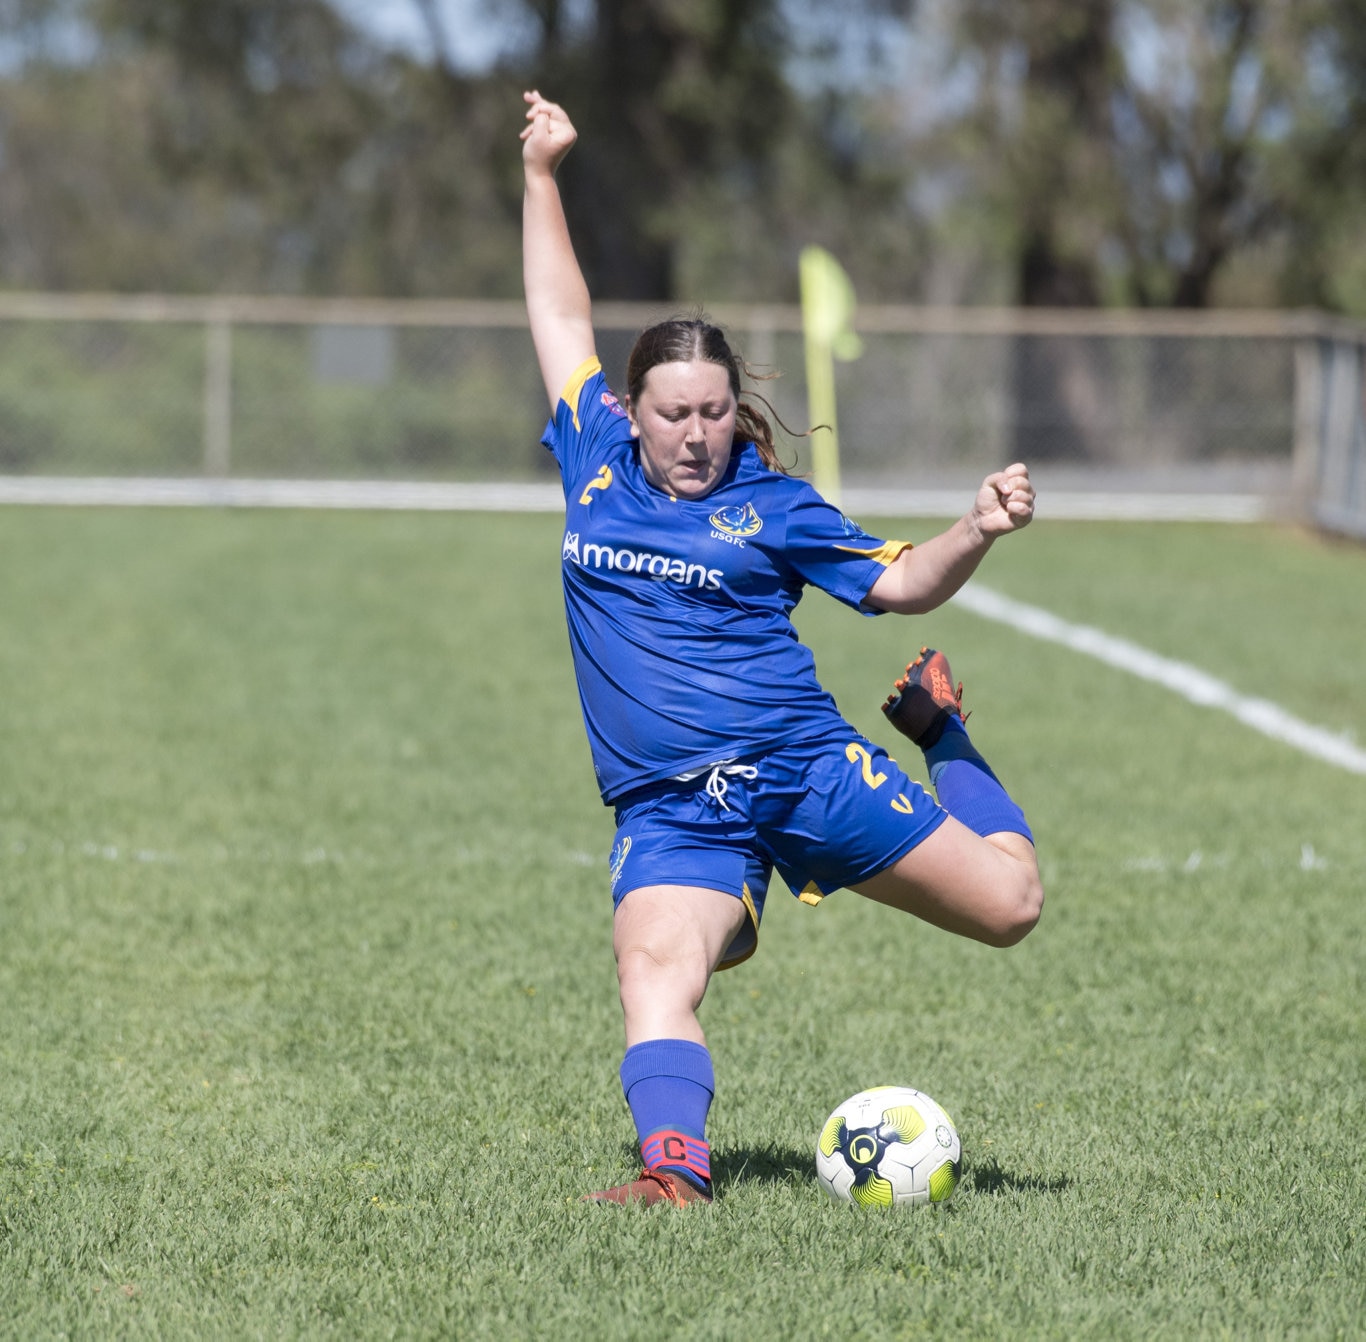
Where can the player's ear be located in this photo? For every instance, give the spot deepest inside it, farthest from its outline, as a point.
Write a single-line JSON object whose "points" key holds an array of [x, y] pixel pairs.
{"points": [[631, 415]]}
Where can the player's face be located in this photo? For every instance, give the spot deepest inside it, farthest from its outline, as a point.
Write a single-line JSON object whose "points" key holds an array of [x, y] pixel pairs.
{"points": [[685, 420]]}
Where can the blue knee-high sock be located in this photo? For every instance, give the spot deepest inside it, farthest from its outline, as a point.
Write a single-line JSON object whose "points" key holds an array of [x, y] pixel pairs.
{"points": [[668, 1084], [967, 788]]}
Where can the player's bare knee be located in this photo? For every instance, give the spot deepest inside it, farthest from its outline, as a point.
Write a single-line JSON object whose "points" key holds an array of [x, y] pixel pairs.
{"points": [[641, 964], [645, 972], [638, 983], [1018, 911]]}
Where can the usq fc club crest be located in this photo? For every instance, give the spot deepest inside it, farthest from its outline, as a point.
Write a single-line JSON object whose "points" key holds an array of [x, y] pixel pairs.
{"points": [[739, 520], [618, 858]]}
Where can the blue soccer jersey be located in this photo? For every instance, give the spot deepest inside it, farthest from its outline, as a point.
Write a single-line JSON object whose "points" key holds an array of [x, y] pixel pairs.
{"points": [[679, 609]]}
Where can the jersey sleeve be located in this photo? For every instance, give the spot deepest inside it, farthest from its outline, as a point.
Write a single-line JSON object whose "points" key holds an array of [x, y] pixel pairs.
{"points": [[831, 552], [588, 419]]}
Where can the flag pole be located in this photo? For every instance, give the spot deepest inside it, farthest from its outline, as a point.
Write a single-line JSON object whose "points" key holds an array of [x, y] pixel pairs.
{"points": [[827, 311]]}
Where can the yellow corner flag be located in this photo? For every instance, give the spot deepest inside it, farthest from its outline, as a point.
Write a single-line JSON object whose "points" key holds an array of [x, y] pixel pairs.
{"points": [[827, 313]]}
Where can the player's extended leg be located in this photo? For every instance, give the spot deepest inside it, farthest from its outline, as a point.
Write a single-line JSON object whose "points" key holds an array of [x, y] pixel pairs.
{"points": [[983, 887], [977, 874], [668, 940]]}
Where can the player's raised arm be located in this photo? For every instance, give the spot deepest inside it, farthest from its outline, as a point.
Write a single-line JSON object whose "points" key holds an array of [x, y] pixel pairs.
{"points": [[925, 577], [557, 300]]}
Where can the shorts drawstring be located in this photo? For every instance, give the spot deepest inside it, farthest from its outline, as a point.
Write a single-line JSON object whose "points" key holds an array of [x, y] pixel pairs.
{"points": [[716, 786]]}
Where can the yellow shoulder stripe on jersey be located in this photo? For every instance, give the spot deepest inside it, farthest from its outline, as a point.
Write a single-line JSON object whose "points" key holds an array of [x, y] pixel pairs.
{"points": [[573, 389], [884, 554]]}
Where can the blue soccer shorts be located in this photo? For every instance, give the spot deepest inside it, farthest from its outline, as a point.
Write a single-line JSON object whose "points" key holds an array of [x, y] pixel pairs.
{"points": [[826, 815]]}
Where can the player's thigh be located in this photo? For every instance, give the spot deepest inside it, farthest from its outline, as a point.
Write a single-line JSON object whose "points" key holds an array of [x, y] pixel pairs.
{"points": [[676, 929], [833, 814], [679, 840], [987, 889]]}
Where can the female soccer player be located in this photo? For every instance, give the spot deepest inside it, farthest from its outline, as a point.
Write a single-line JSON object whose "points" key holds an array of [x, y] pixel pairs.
{"points": [[686, 548]]}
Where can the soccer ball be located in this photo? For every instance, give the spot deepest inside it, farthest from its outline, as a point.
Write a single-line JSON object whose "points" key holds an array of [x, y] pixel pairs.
{"points": [[889, 1147]]}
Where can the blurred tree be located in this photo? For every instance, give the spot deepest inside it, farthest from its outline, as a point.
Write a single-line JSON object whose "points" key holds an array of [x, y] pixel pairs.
{"points": [[1319, 258], [1044, 114], [1053, 151], [269, 144], [194, 147], [673, 101], [1137, 150], [703, 166], [241, 144], [1210, 96]]}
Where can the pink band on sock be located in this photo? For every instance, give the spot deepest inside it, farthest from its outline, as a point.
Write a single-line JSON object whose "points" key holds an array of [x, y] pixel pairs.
{"points": [[677, 1148]]}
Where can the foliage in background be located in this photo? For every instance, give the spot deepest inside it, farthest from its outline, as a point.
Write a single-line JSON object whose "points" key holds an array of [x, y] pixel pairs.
{"points": [[1166, 152], [1187, 152]]}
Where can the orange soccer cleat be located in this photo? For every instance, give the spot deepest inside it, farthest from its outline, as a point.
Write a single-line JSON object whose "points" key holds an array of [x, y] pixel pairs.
{"points": [[652, 1186], [925, 698]]}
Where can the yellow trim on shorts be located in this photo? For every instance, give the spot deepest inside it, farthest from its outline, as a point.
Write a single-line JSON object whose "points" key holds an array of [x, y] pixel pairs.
{"points": [[573, 389], [748, 901], [811, 895]]}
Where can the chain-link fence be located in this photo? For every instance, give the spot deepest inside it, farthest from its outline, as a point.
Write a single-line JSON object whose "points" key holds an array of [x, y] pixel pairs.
{"points": [[337, 391], [266, 389]]}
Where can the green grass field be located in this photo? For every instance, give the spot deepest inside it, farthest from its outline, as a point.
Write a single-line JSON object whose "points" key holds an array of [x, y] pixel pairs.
{"points": [[309, 1020]]}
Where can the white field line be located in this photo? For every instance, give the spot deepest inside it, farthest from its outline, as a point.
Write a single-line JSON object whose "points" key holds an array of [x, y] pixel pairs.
{"points": [[1188, 681]]}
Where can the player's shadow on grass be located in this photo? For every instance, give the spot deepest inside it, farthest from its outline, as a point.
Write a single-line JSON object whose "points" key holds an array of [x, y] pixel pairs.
{"points": [[989, 1178], [761, 1164], [764, 1164], [788, 1165]]}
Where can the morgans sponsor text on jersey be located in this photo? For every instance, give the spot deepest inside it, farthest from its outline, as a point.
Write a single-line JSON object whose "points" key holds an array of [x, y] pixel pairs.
{"points": [[663, 568]]}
